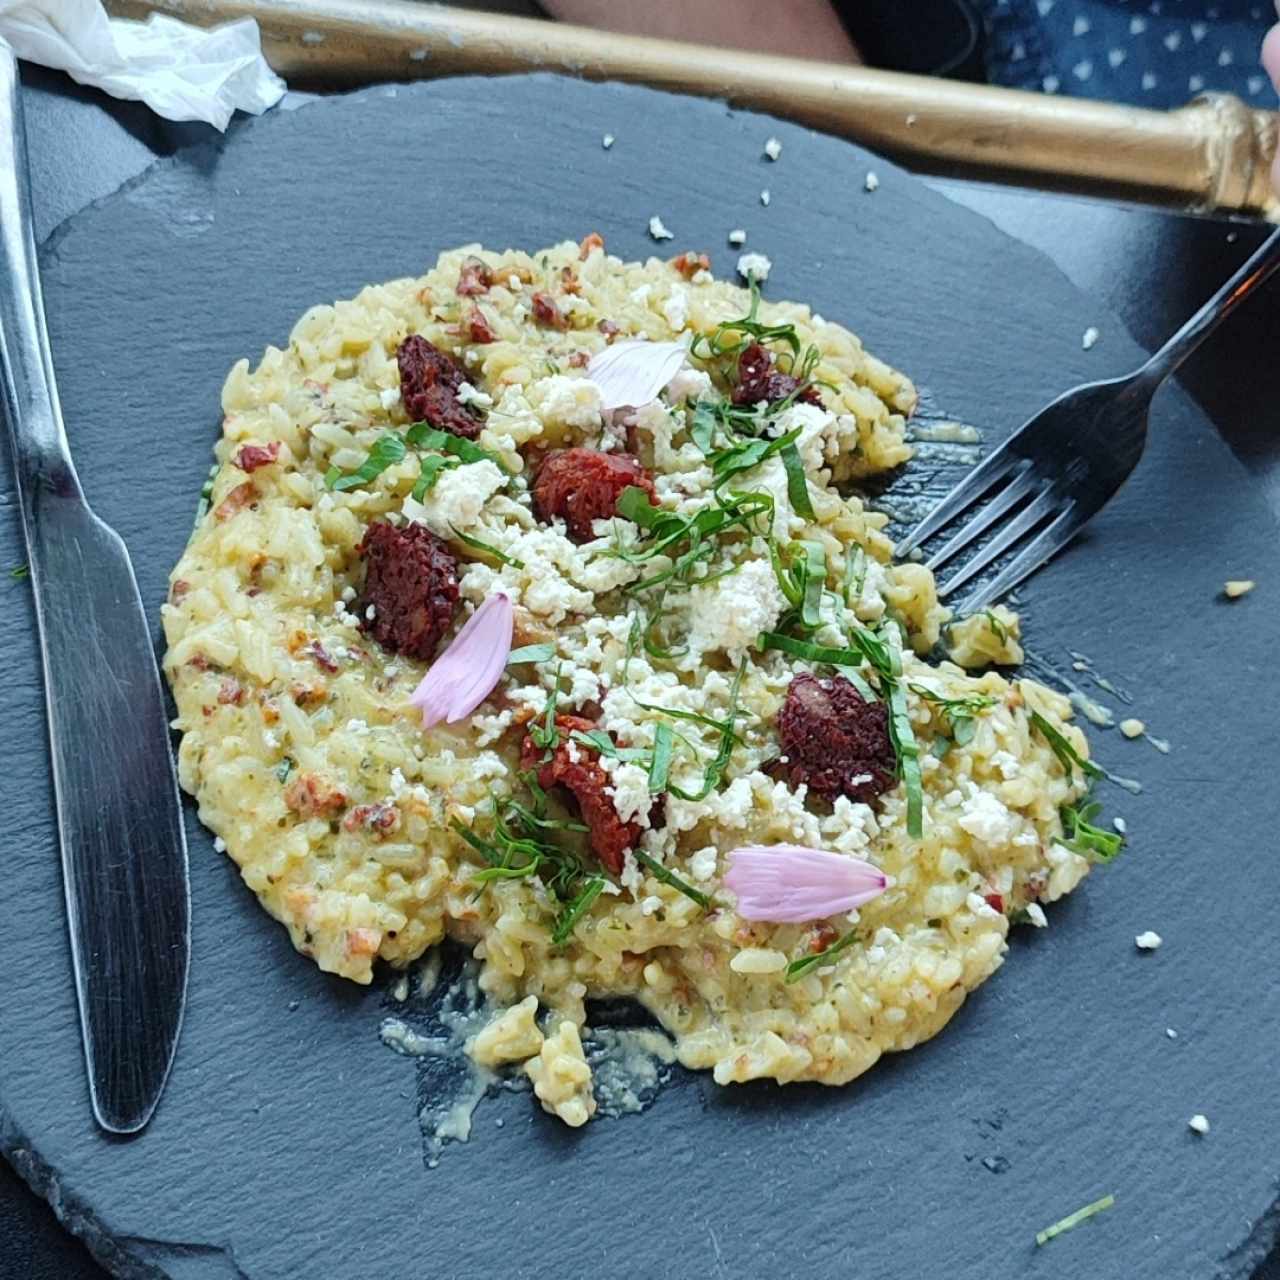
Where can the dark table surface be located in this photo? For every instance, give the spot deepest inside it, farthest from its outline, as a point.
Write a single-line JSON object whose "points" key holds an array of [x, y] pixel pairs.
{"points": [[1150, 269]]}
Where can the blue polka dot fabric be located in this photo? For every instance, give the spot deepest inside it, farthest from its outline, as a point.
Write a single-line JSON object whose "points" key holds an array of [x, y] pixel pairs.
{"points": [[1153, 53]]}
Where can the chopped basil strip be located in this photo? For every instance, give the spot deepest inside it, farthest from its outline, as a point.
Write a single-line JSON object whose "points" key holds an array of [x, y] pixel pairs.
{"points": [[424, 436], [1074, 1219], [669, 877], [599, 740], [1082, 837], [20, 572], [660, 768], [819, 959], [432, 465], [576, 909], [995, 626], [532, 653], [1067, 755], [486, 548], [797, 484], [388, 449]]}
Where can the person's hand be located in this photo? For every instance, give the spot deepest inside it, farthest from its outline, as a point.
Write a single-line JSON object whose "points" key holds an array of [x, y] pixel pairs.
{"points": [[1271, 61]]}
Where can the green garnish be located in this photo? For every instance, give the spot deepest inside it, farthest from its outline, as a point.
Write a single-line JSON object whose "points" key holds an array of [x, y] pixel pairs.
{"points": [[996, 627], [797, 484], [283, 769], [887, 663], [803, 579], [855, 573], [599, 740], [485, 548], [725, 340], [960, 712], [576, 909], [1074, 1219], [669, 877], [818, 959], [1082, 837], [532, 653], [660, 767], [424, 436], [388, 449], [431, 467], [20, 573], [1068, 756], [748, 454], [547, 735]]}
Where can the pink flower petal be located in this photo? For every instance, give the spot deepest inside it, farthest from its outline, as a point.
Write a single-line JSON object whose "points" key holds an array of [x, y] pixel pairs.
{"points": [[789, 883], [634, 371], [463, 676]]}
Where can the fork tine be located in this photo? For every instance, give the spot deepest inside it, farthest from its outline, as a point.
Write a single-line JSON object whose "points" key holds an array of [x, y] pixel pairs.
{"points": [[1047, 544], [1031, 516], [978, 482], [1022, 484]]}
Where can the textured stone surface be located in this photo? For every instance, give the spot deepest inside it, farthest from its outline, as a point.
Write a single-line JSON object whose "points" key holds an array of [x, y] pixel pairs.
{"points": [[287, 1143]]}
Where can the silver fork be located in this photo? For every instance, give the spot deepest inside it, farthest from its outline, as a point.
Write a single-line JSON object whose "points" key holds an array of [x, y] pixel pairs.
{"points": [[1059, 469]]}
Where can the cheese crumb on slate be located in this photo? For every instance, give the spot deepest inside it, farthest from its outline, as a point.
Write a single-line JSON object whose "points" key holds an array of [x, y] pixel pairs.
{"points": [[1171, 1033], [1035, 913], [773, 148], [1120, 825], [1148, 941], [1198, 1123], [871, 183], [1090, 338], [1238, 587], [1132, 728], [764, 196], [658, 230], [737, 236], [607, 141], [754, 266]]}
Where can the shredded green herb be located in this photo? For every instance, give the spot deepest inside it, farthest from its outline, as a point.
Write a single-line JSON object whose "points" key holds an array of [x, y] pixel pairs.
{"points": [[1068, 756], [547, 735], [961, 713], [660, 768], [388, 449], [797, 484], [432, 465], [1074, 1219], [532, 653], [669, 877], [485, 548], [1082, 837], [819, 959], [996, 627], [422, 435], [391, 447], [574, 912], [20, 573], [855, 574], [283, 769], [599, 740]]}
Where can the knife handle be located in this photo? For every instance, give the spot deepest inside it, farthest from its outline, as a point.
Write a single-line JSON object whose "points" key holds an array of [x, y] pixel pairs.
{"points": [[42, 459]]}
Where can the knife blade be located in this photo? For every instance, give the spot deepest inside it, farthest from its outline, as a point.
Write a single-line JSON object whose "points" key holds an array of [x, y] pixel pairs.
{"points": [[124, 855]]}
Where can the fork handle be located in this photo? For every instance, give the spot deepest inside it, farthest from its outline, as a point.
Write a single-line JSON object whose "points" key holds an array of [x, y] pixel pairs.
{"points": [[1260, 267]]}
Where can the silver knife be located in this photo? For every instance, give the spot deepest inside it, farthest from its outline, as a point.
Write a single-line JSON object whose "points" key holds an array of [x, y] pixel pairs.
{"points": [[124, 856]]}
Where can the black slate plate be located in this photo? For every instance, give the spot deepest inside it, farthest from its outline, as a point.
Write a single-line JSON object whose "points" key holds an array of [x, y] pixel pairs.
{"points": [[287, 1145]]}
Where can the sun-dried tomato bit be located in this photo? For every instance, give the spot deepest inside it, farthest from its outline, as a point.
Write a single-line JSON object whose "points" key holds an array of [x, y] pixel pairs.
{"points": [[689, 264], [311, 796], [835, 743], [177, 589], [995, 901], [382, 819], [569, 282], [582, 485], [576, 767], [592, 240], [479, 330], [429, 382], [546, 311], [230, 692], [243, 495], [475, 277], [759, 379], [249, 457], [410, 589], [320, 656]]}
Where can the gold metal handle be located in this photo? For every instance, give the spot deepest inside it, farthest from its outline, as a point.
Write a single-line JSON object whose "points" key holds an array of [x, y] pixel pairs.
{"points": [[1213, 155]]}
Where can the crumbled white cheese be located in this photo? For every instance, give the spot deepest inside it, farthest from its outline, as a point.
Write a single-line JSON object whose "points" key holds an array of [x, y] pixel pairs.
{"points": [[754, 266], [1198, 1124], [773, 148], [561, 401], [730, 613], [514, 283], [871, 182], [1148, 941], [1090, 338], [219, 845], [467, 394], [607, 141], [688, 384], [658, 230], [1006, 763], [651, 905], [764, 196], [457, 498], [389, 397], [1238, 587], [987, 819], [676, 307], [1035, 913], [629, 787], [702, 865], [737, 236], [370, 613]]}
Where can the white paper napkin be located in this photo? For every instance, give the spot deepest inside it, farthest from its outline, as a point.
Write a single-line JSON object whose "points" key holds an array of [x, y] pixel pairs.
{"points": [[180, 72]]}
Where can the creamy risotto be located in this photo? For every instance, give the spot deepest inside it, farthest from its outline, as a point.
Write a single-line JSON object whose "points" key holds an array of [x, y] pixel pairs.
{"points": [[714, 651]]}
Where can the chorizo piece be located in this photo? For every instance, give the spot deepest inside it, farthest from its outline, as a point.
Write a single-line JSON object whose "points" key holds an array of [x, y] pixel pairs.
{"points": [[410, 589], [759, 379], [429, 383], [582, 485]]}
